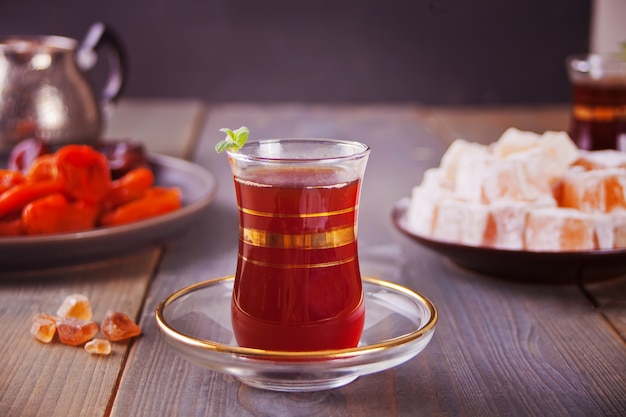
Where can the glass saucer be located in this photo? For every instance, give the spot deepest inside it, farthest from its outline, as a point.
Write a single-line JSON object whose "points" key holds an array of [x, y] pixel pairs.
{"points": [[195, 322]]}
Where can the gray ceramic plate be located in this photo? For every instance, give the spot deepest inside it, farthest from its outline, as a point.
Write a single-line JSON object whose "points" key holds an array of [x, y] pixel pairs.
{"points": [[526, 266], [198, 188]]}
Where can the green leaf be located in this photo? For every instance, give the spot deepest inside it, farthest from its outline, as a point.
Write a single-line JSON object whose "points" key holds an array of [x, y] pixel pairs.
{"points": [[227, 131], [234, 139], [223, 146], [241, 136]]}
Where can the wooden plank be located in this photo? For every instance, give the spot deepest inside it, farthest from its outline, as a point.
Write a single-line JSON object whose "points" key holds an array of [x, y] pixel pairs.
{"points": [[486, 124], [506, 348], [500, 348], [38, 379], [169, 127], [609, 298]]}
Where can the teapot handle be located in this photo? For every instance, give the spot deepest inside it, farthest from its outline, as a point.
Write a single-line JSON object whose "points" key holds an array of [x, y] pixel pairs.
{"points": [[98, 36]]}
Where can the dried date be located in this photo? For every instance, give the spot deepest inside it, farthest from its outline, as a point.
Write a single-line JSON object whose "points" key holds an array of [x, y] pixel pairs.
{"points": [[123, 155], [25, 152]]}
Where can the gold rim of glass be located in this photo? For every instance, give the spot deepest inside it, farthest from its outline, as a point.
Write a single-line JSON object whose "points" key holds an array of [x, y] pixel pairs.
{"points": [[269, 354], [360, 150]]}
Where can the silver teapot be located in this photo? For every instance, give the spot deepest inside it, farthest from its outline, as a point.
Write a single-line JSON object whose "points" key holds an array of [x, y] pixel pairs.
{"points": [[44, 90]]}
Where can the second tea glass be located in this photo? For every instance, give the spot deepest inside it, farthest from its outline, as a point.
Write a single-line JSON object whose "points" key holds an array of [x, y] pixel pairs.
{"points": [[598, 84]]}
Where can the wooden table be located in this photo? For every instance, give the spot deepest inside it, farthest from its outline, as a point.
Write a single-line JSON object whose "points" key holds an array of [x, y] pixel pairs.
{"points": [[500, 348]]}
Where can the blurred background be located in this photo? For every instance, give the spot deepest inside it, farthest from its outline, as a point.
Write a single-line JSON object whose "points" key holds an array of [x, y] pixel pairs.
{"points": [[437, 52]]}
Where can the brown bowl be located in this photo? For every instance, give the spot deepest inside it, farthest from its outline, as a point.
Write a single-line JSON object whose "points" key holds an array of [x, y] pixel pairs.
{"points": [[524, 266]]}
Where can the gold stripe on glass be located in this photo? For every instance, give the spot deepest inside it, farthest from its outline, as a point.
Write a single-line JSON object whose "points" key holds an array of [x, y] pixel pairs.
{"points": [[328, 239], [598, 113], [297, 215], [304, 266]]}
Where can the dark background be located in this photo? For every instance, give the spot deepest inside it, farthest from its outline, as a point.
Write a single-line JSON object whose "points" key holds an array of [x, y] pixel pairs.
{"points": [[438, 52]]}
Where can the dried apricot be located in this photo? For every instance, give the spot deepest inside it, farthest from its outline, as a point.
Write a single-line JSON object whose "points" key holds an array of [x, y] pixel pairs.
{"points": [[44, 168], [85, 172], [9, 179], [11, 226], [130, 187], [16, 198], [54, 214], [154, 202]]}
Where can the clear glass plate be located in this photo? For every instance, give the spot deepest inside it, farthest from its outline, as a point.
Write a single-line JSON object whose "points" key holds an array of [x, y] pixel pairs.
{"points": [[195, 322]]}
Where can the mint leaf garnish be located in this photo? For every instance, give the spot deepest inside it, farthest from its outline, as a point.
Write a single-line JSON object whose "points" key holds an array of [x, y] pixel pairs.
{"points": [[234, 140]]}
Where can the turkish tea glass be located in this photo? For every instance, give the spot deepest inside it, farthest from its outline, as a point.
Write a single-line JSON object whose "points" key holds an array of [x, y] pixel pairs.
{"points": [[297, 283], [598, 84]]}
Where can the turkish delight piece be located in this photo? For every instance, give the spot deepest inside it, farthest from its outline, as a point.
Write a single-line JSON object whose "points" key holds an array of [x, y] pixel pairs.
{"points": [[507, 222], [601, 159], [595, 191], [461, 222], [514, 140], [424, 199], [543, 170], [547, 156], [459, 149], [560, 146], [472, 171], [559, 229], [619, 228], [604, 229], [509, 180]]}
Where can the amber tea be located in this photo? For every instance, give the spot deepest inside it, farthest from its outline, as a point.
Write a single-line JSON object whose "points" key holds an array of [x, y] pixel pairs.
{"points": [[598, 84], [297, 283]]}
